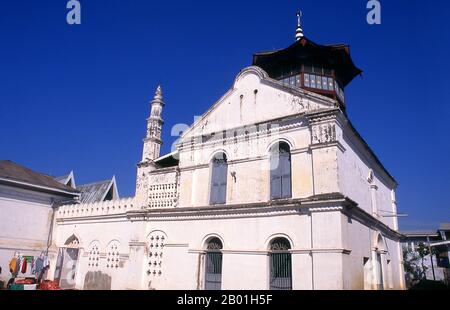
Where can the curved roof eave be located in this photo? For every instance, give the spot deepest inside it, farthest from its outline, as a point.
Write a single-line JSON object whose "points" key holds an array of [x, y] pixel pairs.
{"points": [[339, 52]]}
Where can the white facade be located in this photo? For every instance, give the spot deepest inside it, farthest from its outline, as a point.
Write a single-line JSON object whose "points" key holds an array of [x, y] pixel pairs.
{"points": [[333, 220]]}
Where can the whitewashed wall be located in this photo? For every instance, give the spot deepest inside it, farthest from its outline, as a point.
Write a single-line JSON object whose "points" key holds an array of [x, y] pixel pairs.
{"points": [[245, 239], [26, 217], [356, 168], [328, 247]]}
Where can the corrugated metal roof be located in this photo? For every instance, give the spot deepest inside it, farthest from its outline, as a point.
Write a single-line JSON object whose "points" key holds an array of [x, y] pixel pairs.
{"points": [[419, 233], [14, 172], [94, 192]]}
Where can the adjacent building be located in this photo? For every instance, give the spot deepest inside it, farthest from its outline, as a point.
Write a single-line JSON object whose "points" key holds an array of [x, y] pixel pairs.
{"points": [[27, 205], [419, 245], [28, 200]]}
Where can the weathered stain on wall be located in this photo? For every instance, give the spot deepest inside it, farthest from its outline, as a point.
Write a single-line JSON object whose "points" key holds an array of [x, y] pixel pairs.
{"points": [[97, 280]]}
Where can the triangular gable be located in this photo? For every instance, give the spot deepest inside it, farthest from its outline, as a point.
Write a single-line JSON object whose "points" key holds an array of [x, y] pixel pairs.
{"points": [[99, 191], [112, 193], [68, 180], [255, 98]]}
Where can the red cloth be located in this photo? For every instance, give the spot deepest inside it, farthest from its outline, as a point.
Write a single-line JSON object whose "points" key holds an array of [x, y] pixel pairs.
{"points": [[25, 281], [24, 265], [49, 286]]}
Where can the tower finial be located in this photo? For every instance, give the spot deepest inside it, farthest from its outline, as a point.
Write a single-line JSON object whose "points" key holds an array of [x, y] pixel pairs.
{"points": [[158, 93], [299, 31]]}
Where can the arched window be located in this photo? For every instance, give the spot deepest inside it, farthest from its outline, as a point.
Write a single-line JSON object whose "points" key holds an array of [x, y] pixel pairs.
{"points": [[113, 255], [213, 265], [72, 242], [280, 171], [219, 179], [94, 255], [280, 265]]}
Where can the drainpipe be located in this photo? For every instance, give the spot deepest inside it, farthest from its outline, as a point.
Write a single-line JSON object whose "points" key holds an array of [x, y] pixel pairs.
{"points": [[431, 257], [50, 230]]}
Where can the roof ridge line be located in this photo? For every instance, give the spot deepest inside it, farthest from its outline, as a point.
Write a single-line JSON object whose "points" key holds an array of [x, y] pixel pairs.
{"points": [[97, 182]]}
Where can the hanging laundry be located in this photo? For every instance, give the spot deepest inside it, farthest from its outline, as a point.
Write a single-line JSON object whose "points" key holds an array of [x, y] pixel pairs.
{"points": [[46, 261], [33, 265], [24, 265], [39, 265], [19, 264], [13, 265]]}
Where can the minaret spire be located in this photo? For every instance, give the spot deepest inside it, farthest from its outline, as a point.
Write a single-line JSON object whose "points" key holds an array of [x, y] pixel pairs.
{"points": [[158, 93], [299, 31], [152, 141]]}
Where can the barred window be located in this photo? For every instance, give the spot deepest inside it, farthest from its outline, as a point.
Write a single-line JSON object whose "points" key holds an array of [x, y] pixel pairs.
{"points": [[213, 265], [280, 265]]}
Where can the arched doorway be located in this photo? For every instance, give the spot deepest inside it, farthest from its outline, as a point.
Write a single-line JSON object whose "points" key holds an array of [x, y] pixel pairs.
{"points": [[379, 262], [213, 264], [66, 264], [280, 264]]}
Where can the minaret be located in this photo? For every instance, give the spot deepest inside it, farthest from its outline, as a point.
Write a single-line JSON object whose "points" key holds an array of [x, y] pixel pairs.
{"points": [[152, 141], [299, 31], [152, 148]]}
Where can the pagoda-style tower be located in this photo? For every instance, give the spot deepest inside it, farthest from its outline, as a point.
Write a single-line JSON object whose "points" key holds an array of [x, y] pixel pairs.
{"points": [[323, 69], [152, 145]]}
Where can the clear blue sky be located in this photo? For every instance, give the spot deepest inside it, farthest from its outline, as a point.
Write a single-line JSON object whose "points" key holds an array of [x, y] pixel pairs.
{"points": [[76, 97]]}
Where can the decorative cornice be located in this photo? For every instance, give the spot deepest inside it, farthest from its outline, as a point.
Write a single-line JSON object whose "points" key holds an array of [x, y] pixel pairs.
{"points": [[164, 170], [299, 150], [246, 160], [137, 244], [201, 213], [333, 202], [321, 251], [337, 144], [194, 167], [317, 117], [147, 163], [326, 209], [307, 251], [176, 245], [152, 139], [262, 129], [262, 209]]}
